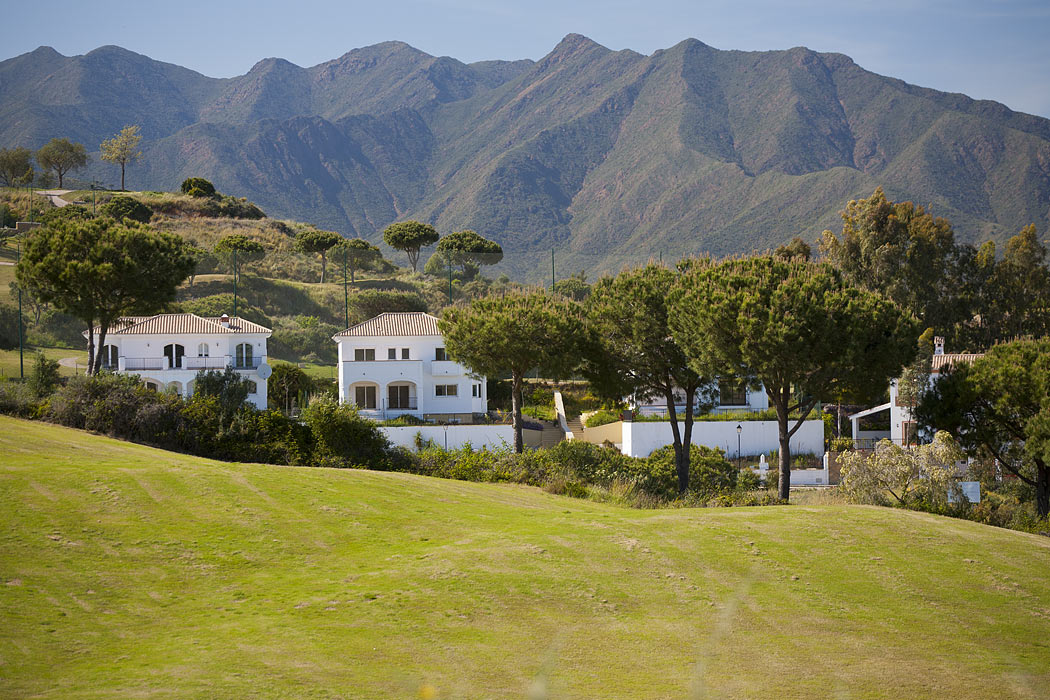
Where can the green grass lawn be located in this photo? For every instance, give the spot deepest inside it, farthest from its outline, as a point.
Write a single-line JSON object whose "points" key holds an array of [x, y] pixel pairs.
{"points": [[9, 360], [131, 572]]}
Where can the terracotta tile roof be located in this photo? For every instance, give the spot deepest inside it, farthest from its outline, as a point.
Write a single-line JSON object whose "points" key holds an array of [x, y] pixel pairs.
{"points": [[949, 359], [181, 324], [391, 324]]}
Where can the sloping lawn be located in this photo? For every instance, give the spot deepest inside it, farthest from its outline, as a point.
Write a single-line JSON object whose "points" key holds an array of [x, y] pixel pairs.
{"points": [[131, 572]]}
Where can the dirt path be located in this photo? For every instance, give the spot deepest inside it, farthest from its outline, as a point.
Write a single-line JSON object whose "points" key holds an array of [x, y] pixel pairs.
{"points": [[56, 196]]}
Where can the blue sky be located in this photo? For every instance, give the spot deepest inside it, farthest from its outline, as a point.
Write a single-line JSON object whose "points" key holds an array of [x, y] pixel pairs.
{"points": [[995, 49]]}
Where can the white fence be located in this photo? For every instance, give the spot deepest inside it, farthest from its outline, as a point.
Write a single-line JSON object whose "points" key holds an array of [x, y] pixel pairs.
{"points": [[641, 438], [456, 436]]}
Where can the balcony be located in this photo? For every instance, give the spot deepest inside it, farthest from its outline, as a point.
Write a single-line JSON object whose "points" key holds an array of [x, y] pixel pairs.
{"points": [[186, 363], [199, 363], [388, 408]]}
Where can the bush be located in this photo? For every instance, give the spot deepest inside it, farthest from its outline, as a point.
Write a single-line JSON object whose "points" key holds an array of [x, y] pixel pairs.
{"points": [[601, 417], [224, 206], [44, 376], [370, 303], [121, 207], [17, 399], [342, 438], [197, 187], [709, 471]]}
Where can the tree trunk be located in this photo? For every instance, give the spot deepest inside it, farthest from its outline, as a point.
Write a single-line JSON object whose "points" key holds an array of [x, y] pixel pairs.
{"points": [[1042, 488], [100, 348], [516, 383], [681, 454], [121, 177], [60, 174], [91, 346], [324, 264], [785, 451], [413, 257]]}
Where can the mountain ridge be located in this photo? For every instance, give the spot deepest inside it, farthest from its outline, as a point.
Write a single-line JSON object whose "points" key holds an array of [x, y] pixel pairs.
{"points": [[608, 157]]}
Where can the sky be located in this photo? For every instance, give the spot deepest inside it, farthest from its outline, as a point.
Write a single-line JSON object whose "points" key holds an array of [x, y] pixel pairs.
{"points": [[990, 49]]}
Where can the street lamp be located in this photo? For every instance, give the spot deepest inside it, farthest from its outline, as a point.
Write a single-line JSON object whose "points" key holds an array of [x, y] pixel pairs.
{"points": [[739, 429]]}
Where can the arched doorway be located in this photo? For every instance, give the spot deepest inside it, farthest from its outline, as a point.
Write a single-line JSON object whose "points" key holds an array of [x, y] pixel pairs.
{"points": [[174, 353], [364, 395]]}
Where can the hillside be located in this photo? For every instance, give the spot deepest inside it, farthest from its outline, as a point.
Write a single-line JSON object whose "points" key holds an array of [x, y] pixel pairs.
{"points": [[608, 156], [131, 572]]}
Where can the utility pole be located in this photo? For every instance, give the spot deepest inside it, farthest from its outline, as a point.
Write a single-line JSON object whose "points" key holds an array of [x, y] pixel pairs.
{"points": [[235, 282], [450, 280], [552, 269], [346, 294], [21, 360]]}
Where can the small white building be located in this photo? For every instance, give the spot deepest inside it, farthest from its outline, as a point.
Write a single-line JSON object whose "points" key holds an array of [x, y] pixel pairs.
{"points": [[395, 364], [730, 396], [903, 428], [168, 350]]}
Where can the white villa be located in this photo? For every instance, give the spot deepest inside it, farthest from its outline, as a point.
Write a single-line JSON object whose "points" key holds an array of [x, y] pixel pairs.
{"points": [[903, 428], [167, 350], [395, 364]]}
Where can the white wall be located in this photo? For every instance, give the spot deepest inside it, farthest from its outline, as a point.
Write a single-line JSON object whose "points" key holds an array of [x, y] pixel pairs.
{"points": [[490, 436], [640, 439]]}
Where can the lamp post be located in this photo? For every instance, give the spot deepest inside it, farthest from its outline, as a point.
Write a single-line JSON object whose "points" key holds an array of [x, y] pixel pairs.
{"points": [[21, 360], [739, 429]]}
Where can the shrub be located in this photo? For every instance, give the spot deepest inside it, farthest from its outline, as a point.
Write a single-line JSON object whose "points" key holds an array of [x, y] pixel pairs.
{"points": [[43, 378], [921, 475], [121, 207], [228, 387], [709, 471], [197, 187], [342, 438], [17, 399], [601, 417]]}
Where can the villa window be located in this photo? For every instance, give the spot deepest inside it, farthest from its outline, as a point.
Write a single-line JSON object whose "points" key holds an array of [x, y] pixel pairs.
{"points": [[398, 396], [405, 354], [253, 388], [732, 392], [202, 350], [475, 391], [440, 355], [244, 355], [365, 396], [391, 353], [446, 390], [364, 354], [109, 356], [174, 352]]}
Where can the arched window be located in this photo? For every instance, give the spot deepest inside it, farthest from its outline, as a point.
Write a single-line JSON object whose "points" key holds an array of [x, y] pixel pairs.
{"points": [[202, 350], [244, 355]]}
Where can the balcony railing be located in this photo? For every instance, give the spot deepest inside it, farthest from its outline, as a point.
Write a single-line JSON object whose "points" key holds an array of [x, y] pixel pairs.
{"points": [[186, 362], [135, 363], [390, 409], [205, 362]]}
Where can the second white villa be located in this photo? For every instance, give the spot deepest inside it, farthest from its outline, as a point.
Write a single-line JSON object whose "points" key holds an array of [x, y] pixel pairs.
{"points": [[396, 364], [167, 351]]}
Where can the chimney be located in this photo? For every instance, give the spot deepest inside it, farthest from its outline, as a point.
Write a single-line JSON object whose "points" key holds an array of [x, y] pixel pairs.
{"points": [[938, 345], [224, 321]]}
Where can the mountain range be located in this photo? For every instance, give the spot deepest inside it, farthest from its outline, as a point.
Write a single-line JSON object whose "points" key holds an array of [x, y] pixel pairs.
{"points": [[608, 157]]}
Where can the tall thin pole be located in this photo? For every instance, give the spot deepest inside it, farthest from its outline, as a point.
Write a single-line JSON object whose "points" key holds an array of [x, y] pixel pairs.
{"points": [[552, 269], [346, 295], [235, 282], [21, 360], [450, 280]]}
